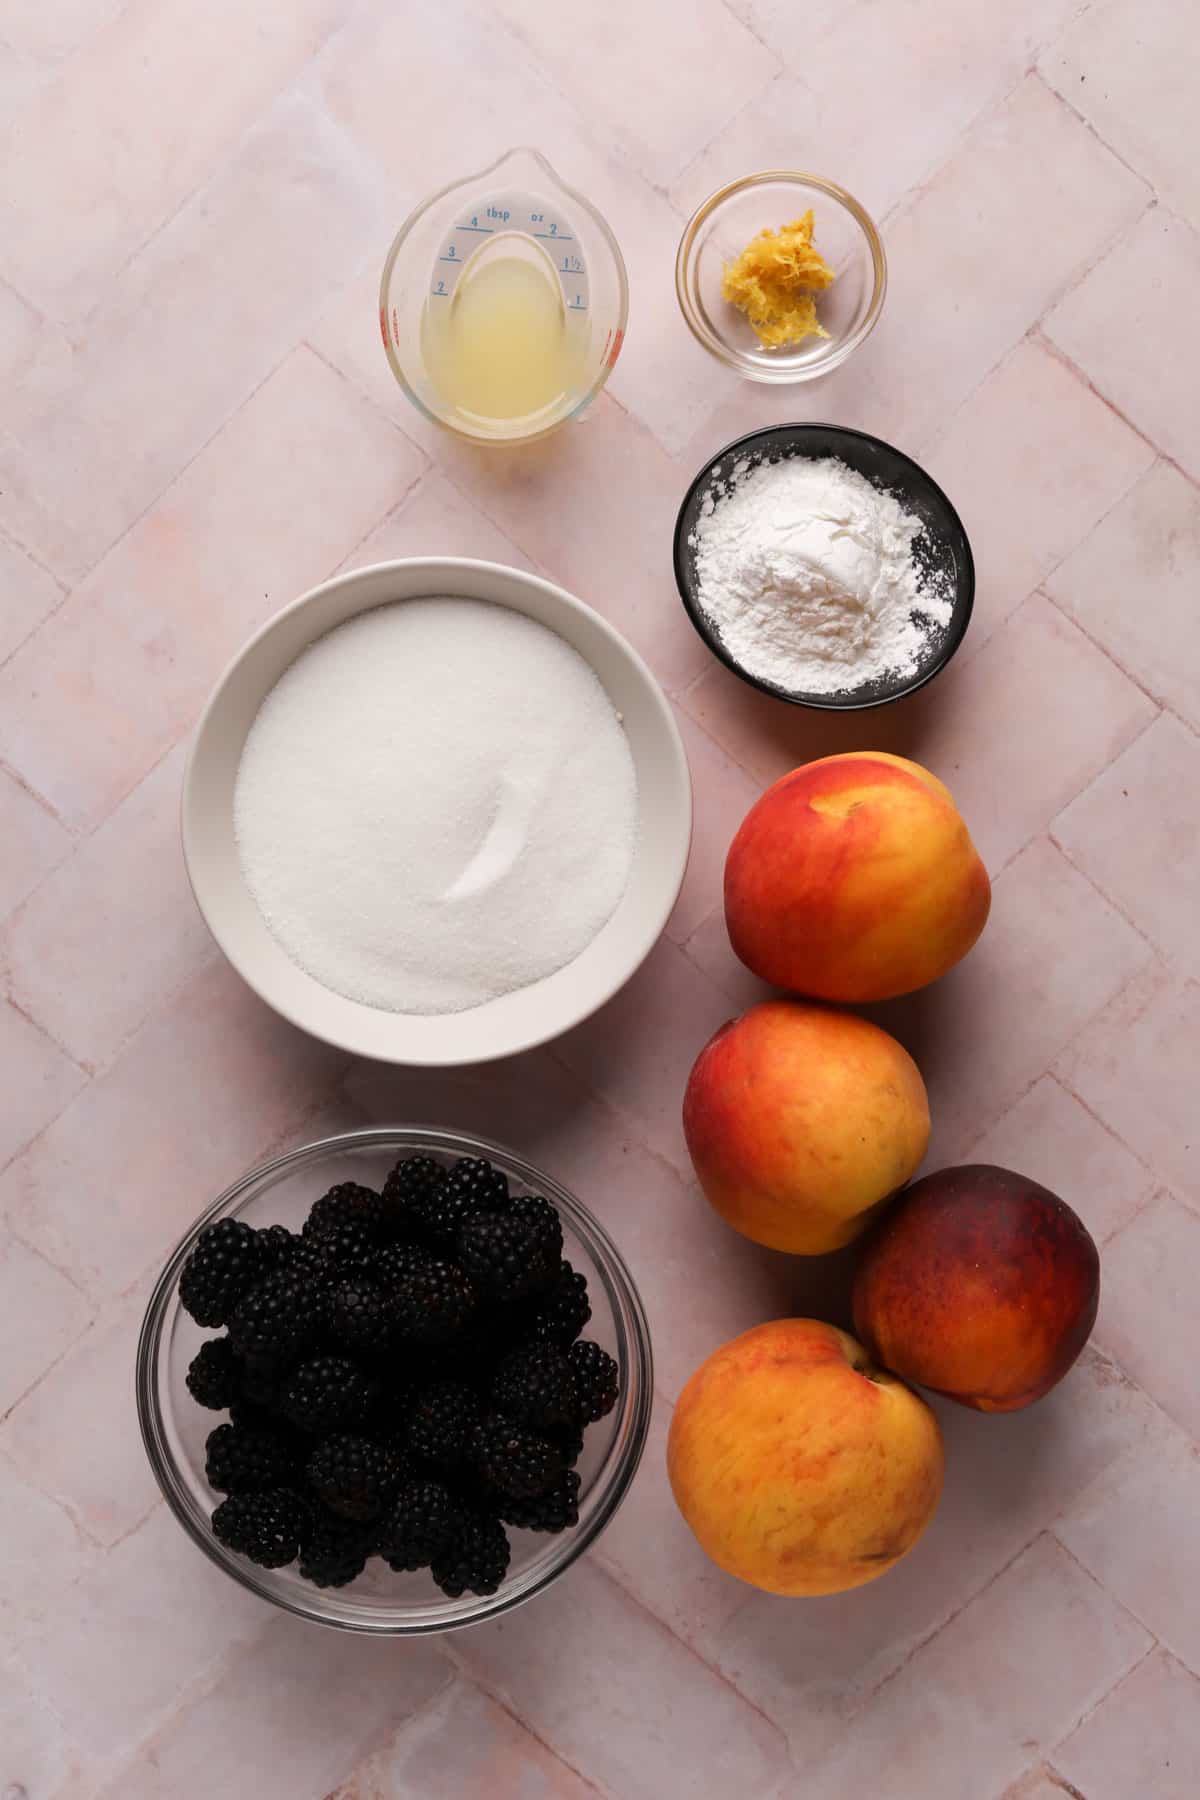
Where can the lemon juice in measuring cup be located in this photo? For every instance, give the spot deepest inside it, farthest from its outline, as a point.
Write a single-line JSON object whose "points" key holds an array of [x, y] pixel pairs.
{"points": [[503, 302]]}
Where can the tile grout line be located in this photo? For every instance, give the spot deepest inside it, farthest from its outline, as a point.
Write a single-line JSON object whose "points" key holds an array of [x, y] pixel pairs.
{"points": [[1158, 952], [15, 774], [464, 1673], [1088, 124], [1038, 330]]}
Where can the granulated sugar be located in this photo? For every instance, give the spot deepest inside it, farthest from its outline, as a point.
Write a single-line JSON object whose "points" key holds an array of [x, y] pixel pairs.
{"points": [[805, 570], [436, 805]]}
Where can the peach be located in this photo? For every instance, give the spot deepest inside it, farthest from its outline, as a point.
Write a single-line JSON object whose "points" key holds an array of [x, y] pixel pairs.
{"points": [[800, 1120], [798, 1466], [854, 879], [981, 1284]]}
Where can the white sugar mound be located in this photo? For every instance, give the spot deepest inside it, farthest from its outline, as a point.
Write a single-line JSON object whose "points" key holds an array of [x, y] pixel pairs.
{"points": [[806, 571], [436, 805]]}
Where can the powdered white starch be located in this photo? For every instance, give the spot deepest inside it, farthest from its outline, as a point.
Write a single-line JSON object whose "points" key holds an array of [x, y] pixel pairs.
{"points": [[806, 573], [436, 805]]}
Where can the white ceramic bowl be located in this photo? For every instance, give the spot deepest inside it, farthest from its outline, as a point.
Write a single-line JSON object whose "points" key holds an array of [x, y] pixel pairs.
{"points": [[516, 1021]]}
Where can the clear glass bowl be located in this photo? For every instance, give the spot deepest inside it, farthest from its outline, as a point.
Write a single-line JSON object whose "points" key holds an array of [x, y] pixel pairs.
{"points": [[174, 1428], [844, 234]]}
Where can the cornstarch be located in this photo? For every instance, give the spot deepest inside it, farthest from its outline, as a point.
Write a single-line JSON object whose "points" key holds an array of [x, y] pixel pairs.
{"points": [[806, 573], [436, 805]]}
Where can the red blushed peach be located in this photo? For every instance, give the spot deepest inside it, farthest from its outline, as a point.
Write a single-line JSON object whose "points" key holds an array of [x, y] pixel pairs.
{"points": [[854, 879], [799, 1120], [980, 1284], [800, 1467]]}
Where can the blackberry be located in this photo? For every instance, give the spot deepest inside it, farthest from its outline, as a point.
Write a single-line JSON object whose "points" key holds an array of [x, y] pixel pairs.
{"points": [[422, 1522], [396, 1262], [474, 1176], [433, 1303], [442, 1425], [543, 1217], [595, 1375], [569, 1439], [505, 1257], [333, 1551], [472, 1186], [348, 1202], [518, 1462], [561, 1313], [264, 1527], [278, 1247], [535, 1386], [240, 1459], [225, 1261], [476, 1560], [346, 1246], [361, 1315], [254, 1417], [279, 1318], [327, 1393], [260, 1385], [405, 1191], [552, 1511], [393, 1405], [214, 1375], [353, 1476]]}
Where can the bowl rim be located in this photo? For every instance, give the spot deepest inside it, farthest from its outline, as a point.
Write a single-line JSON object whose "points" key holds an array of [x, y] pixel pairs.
{"points": [[964, 597], [727, 353], [441, 571], [614, 1478]]}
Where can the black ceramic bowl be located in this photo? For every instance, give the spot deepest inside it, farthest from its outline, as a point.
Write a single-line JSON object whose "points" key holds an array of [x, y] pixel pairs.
{"points": [[941, 548]]}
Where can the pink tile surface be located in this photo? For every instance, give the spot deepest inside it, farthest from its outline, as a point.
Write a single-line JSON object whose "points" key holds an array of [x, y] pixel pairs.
{"points": [[197, 424], [1149, 280], [219, 1078], [1132, 1066], [85, 195], [1010, 1675], [1118, 65], [40, 1080], [33, 1747], [33, 839], [137, 1597], [30, 595], [1053, 954], [1048, 1134], [463, 1743], [1134, 834], [230, 541], [1146, 547], [1087, 460], [1026, 171], [89, 956], [1135, 1530], [651, 1681], [41, 1554], [76, 1434], [1157, 1253], [815, 1668], [1145, 1734], [315, 1698]]}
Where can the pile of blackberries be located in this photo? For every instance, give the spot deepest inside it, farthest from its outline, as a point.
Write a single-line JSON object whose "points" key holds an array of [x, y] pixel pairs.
{"points": [[403, 1379]]}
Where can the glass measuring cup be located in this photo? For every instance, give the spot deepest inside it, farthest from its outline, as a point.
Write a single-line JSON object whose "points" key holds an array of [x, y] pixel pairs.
{"points": [[512, 243]]}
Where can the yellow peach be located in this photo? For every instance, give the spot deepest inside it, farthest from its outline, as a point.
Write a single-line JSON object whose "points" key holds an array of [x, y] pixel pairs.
{"points": [[800, 1467], [854, 879], [800, 1121]]}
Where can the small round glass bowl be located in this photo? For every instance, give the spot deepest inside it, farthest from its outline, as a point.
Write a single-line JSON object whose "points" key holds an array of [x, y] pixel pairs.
{"points": [[843, 232], [174, 1428]]}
